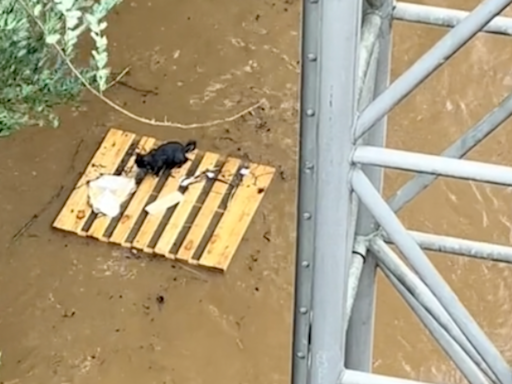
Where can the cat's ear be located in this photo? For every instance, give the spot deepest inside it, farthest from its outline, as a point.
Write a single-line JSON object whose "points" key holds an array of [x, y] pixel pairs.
{"points": [[190, 146], [139, 159]]}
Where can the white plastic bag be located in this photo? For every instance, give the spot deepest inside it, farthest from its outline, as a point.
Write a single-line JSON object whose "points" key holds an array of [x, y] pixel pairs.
{"points": [[108, 192]]}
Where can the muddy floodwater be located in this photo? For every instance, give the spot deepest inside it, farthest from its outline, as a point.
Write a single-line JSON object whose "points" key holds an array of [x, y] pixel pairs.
{"points": [[75, 310]]}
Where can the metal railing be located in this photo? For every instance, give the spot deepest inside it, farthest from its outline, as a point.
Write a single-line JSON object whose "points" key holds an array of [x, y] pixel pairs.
{"points": [[344, 224]]}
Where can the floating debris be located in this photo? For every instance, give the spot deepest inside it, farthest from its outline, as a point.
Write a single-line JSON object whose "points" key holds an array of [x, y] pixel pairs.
{"points": [[108, 192]]}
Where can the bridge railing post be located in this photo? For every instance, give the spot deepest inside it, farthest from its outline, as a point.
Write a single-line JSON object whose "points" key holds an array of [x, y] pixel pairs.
{"points": [[346, 49], [327, 211]]}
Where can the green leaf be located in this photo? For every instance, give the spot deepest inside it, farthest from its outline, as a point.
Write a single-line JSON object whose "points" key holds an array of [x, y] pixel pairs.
{"points": [[34, 78], [37, 10], [52, 39]]}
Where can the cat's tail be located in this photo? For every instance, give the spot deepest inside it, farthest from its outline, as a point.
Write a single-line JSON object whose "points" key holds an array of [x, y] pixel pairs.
{"points": [[190, 146]]}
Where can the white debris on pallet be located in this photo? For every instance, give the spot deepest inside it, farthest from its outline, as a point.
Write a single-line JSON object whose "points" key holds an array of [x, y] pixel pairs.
{"points": [[244, 171], [108, 192], [165, 202]]}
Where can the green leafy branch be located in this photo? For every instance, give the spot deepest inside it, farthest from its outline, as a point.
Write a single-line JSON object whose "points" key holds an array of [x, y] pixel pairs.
{"points": [[38, 73], [34, 78]]}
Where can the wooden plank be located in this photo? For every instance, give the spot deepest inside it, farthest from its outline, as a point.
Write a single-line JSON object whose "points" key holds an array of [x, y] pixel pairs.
{"points": [[231, 229], [151, 222], [179, 217], [207, 211], [135, 206], [101, 223], [105, 161]]}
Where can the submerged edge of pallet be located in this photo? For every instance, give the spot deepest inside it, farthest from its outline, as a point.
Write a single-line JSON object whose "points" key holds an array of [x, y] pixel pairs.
{"points": [[204, 229]]}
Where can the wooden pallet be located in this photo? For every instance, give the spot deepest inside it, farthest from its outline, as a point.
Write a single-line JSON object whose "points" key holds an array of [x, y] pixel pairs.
{"points": [[205, 228]]}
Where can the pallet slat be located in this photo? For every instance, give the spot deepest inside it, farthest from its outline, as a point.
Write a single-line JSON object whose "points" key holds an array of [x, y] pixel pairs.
{"points": [[208, 210], [179, 217], [100, 224], [228, 234], [151, 222], [196, 229], [135, 206], [106, 160]]}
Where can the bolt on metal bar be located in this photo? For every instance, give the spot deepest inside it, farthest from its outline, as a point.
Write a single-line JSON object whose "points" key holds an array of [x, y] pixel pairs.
{"points": [[334, 201], [429, 62], [430, 276], [469, 140], [453, 245], [356, 377], [306, 195], [432, 164], [392, 263], [450, 347], [445, 17]]}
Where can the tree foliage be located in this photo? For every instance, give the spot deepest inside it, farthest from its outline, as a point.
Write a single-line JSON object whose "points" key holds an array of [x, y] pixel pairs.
{"points": [[37, 39]]}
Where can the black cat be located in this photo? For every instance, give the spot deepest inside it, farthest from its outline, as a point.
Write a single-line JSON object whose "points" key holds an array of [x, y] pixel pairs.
{"points": [[167, 156]]}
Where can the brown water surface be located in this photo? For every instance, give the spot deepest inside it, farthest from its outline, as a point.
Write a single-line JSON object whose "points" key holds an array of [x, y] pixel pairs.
{"points": [[78, 311]]}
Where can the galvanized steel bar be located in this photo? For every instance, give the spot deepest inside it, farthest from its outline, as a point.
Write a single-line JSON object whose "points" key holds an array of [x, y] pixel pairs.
{"points": [[445, 17], [369, 37], [469, 140], [452, 349], [432, 164], [359, 342], [354, 277], [429, 275], [428, 63], [457, 246], [310, 51], [334, 212], [394, 265], [366, 77]]}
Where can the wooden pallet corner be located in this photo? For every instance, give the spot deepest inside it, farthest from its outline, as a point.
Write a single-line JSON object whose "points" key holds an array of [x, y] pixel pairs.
{"points": [[204, 229]]}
